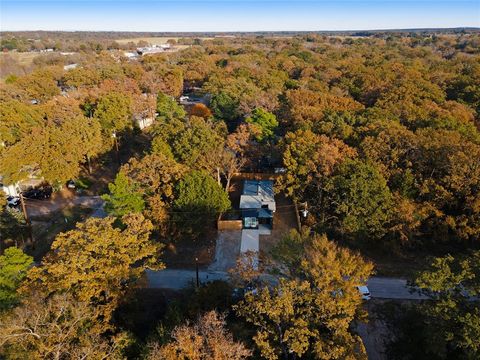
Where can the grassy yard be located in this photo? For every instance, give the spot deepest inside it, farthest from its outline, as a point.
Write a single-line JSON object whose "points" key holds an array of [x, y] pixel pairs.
{"points": [[23, 58], [284, 221], [181, 253]]}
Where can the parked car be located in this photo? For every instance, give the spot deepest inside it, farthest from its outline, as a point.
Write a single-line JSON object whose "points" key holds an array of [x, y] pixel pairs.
{"points": [[239, 293], [71, 184], [13, 201], [39, 193], [364, 292]]}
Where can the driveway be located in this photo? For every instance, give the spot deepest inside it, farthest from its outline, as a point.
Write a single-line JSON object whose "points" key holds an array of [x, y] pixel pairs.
{"points": [[227, 250], [250, 240]]}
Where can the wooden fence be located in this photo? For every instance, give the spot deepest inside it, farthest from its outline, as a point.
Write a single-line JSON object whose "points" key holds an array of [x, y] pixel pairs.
{"points": [[229, 224], [256, 176]]}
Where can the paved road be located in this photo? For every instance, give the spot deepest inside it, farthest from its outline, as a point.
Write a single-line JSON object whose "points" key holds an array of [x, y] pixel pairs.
{"points": [[392, 288], [99, 211], [37, 208], [382, 288], [179, 279]]}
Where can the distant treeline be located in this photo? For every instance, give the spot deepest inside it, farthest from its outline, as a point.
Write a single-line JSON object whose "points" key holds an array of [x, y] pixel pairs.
{"points": [[106, 40]]}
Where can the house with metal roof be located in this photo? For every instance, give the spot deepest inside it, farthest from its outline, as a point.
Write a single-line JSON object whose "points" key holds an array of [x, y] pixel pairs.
{"points": [[257, 203]]}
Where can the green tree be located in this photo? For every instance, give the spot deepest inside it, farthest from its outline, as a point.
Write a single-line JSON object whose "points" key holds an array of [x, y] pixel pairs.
{"points": [[198, 143], [13, 227], [13, 269], [160, 146], [360, 199], [199, 200], [452, 319], [168, 108], [123, 198], [265, 121], [198, 191], [224, 107]]}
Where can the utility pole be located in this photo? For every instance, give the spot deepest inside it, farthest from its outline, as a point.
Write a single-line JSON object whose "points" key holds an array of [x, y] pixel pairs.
{"points": [[27, 219], [115, 140], [196, 266], [305, 210]]}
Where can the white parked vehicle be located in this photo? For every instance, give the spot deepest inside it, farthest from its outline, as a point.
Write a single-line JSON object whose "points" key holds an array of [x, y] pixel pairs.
{"points": [[363, 290]]}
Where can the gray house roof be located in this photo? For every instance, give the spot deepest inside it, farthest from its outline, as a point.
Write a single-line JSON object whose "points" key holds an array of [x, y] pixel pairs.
{"points": [[257, 194]]}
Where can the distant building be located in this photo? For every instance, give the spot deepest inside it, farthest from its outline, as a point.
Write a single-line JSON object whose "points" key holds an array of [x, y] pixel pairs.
{"points": [[257, 203], [130, 55], [144, 122], [153, 49], [70, 67]]}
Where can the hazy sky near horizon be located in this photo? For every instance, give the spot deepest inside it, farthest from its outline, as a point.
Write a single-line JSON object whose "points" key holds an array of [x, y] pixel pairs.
{"points": [[236, 15]]}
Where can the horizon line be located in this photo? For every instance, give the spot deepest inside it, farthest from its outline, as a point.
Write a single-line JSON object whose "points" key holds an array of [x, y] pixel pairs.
{"points": [[251, 31]]}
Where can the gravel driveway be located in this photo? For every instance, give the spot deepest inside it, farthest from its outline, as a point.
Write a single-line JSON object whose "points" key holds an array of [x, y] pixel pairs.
{"points": [[227, 250]]}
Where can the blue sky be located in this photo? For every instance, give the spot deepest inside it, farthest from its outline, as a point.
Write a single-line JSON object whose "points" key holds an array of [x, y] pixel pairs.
{"points": [[236, 15]]}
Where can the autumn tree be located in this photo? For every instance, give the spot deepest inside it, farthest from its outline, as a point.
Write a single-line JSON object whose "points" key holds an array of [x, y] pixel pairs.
{"points": [[303, 108], [207, 339], [13, 269], [308, 314], [108, 261], [82, 77], [40, 85], [310, 161], [446, 169], [57, 327], [114, 112], [54, 152], [200, 110], [156, 176], [248, 269], [18, 119]]}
